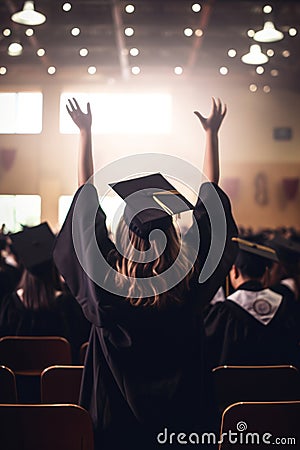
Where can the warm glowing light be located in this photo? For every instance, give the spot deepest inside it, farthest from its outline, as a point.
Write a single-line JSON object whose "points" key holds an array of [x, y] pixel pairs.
{"points": [[274, 73], [129, 9], [188, 32], [67, 7], [121, 112], [92, 70], [129, 31], [83, 52], [266, 89], [178, 70], [223, 70], [260, 70], [134, 51], [29, 32], [270, 52], [251, 33], [286, 53], [75, 31], [293, 31], [255, 56], [51, 70], [6, 32], [267, 9], [268, 33], [40, 52], [135, 70], [231, 53], [252, 88], [199, 32], [3, 70], [15, 49], [196, 7]]}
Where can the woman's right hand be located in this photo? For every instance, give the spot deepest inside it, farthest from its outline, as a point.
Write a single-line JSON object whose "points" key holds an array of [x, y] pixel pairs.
{"points": [[215, 118], [81, 119]]}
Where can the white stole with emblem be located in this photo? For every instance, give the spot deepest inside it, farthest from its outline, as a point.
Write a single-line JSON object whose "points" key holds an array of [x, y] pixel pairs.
{"points": [[262, 305]]}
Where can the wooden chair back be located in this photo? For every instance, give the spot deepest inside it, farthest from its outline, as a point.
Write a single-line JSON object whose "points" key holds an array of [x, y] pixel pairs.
{"points": [[61, 384], [8, 388], [30, 355], [258, 424], [45, 427], [255, 384]]}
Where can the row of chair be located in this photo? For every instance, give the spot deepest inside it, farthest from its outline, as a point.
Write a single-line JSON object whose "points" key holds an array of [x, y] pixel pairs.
{"points": [[58, 384], [30, 355]]}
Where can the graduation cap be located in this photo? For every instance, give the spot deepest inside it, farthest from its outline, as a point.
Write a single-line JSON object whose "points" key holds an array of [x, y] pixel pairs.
{"points": [[151, 201], [286, 249], [256, 249], [34, 245]]}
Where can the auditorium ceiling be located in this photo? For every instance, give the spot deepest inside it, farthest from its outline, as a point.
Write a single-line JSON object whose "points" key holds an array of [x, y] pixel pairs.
{"points": [[168, 39]]}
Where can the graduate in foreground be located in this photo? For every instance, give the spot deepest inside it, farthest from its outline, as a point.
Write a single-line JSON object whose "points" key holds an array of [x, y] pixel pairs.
{"points": [[145, 372]]}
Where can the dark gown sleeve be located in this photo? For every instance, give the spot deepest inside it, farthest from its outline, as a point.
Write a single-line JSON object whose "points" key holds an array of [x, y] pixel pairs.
{"points": [[216, 227], [74, 250]]}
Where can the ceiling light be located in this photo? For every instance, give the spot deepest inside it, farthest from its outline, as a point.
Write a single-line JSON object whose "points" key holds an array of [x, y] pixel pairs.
{"points": [[260, 70], [51, 70], [253, 88], [67, 7], [188, 32], [129, 9], [15, 49], [129, 31], [293, 31], [134, 51], [3, 70], [75, 31], [83, 52], [29, 32], [135, 70], [92, 70], [267, 9], [223, 70], [267, 89], [178, 70], [270, 52], [268, 33], [255, 56], [40, 52], [196, 7], [6, 32], [198, 32], [28, 15], [231, 53], [274, 73]]}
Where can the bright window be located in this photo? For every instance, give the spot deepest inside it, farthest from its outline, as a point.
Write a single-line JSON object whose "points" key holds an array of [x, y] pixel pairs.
{"points": [[21, 112], [109, 204], [18, 210], [130, 113]]}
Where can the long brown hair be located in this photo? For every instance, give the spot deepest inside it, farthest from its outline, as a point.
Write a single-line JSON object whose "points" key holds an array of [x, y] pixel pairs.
{"points": [[132, 267]]}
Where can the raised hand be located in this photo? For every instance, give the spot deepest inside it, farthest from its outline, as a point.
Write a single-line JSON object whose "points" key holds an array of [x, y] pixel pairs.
{"points": [[81, 119], [215, 119]]}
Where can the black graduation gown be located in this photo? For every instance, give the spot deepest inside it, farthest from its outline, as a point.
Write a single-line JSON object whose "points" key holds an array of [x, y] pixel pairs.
{"points": [[63, 318], [236, 337], [145, 370]]}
